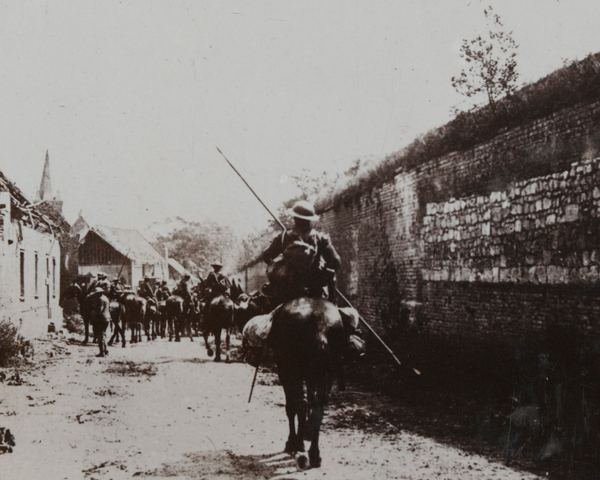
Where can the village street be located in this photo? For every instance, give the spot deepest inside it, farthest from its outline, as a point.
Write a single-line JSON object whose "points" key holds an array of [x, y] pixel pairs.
{"points": [[164, 410]]}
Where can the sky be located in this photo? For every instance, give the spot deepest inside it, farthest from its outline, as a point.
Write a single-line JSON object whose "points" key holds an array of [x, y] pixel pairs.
{"points": [[132, 98]]}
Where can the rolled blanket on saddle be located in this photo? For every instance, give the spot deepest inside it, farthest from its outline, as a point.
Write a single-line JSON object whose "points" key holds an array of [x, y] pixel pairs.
{"points": [[256, 332]]}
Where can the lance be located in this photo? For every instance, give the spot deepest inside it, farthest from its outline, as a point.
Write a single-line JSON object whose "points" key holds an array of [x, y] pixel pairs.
{"points": [[253, 192], [388, 349]]}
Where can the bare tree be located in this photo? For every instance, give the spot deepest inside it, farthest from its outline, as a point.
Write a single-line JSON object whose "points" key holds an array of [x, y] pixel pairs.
{"points": [[492, 64]]}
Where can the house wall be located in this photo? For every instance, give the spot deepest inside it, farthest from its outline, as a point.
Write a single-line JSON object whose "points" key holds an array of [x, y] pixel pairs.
{"points": [[111, 271], [95, 255], [253, 278], [495, 242], [36, 306]]}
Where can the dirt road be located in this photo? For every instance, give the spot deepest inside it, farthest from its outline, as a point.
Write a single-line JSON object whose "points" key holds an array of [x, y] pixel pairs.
{"points": [[165, 410]]}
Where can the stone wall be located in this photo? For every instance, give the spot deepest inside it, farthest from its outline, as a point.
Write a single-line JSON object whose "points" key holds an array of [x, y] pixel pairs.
{"points": [[524, 257], [496, 240]]}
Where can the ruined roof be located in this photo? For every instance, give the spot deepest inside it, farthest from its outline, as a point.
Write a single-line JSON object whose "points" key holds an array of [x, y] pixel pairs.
{"points": [[23, 209], [129, 243]]}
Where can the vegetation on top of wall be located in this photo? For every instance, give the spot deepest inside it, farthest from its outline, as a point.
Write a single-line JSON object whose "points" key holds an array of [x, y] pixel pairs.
{"points": [[576, 83]]}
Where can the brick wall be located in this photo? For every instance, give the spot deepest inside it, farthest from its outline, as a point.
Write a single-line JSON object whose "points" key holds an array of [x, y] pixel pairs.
{"points": [[497, 240]]}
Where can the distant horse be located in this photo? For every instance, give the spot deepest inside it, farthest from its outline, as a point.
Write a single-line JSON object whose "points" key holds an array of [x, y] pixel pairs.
{"points": [[117, 314], [218, 315], [150, 320], [135, 312], [177, 317], [309, 343], [80, 294], [100, 318]]}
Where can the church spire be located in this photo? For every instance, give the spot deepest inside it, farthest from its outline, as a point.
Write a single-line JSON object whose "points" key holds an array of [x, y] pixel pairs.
{"points": [[45, 192]]}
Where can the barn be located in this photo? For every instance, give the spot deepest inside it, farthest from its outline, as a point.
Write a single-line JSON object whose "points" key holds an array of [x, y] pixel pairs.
{"points": [[29, 263], [120, 252]]}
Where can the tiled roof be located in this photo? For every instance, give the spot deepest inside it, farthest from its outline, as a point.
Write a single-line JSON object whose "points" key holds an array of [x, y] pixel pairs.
{"points": [[130, 243]]}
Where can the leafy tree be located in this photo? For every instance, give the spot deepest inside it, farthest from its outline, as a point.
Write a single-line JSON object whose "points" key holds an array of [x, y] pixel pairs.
{"points": [[492, 64], [197, 245]]}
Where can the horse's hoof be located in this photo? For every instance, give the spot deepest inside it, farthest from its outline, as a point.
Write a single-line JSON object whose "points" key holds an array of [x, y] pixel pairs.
{"points": [[210, 353], [123, 346], [100, 355], [315, 460], [217, 359], [109, 344], [302, 461]]}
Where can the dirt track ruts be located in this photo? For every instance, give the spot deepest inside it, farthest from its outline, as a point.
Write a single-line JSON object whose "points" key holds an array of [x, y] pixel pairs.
{"points": [[165, 410]]}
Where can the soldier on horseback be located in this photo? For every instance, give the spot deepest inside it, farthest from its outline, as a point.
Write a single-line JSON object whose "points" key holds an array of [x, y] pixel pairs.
{"points": [[216, 283], [184, 290], [146, 291], [163, 292], [303, 261], [101, 282], [116, 290]]}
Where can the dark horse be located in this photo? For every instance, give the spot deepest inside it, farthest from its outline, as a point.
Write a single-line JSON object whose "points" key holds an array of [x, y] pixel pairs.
{"points": [[177, 317], [135, 312], [309, 343], [218, 315], [81, 295], [117, 315]]}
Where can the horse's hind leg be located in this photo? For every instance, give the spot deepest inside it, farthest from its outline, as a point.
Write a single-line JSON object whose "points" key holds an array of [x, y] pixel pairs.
{"points": [[294, 408], [209, 350], [217, 344], [122, 330], [115, 335], [86, 326], [317, 397], [227, 344]]}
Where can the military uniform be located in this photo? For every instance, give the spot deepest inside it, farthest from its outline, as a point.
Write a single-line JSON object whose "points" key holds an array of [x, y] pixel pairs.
{"points": [[116, 290], [163, 292], [324, 259], [102, 282], [184, 290], [216, 284], [146, 291], [100, 318]]}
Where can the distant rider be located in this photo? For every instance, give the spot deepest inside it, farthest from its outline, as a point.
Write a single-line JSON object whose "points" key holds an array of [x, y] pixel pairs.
{"points": [[216, 283]]}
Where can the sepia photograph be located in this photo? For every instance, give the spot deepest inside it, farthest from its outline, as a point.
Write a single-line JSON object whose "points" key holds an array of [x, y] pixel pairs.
{"points": [[282, 240]]}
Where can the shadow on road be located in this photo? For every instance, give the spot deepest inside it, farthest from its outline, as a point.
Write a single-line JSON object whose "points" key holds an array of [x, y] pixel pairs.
{"points": [[225, 465]]}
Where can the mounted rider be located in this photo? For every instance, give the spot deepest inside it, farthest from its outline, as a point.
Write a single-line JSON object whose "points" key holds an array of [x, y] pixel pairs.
{"points": [[146, 291], [116, 290], [303, 261], [101, 282], [184, 290], [216, 283], [163, 292]]}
